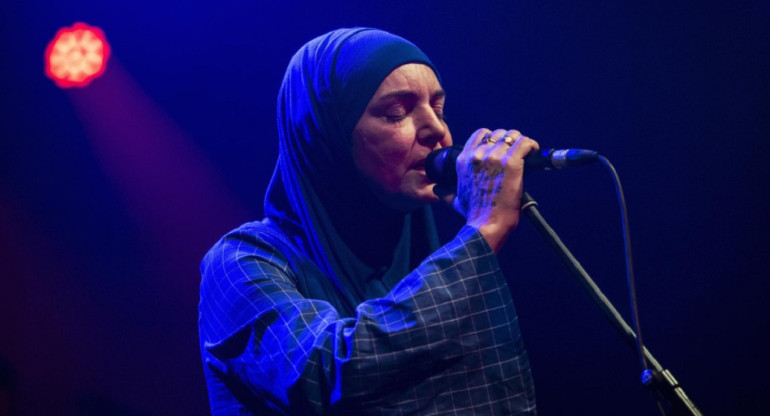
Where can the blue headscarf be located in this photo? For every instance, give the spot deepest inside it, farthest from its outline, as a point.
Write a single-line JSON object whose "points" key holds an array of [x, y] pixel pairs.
{"points": [[317, 195]]}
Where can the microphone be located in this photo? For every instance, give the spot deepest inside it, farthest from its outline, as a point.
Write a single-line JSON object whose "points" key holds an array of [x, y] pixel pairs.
{"points": [[440, 165]]}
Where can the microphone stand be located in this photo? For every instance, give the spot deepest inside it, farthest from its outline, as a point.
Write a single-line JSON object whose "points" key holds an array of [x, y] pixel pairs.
{"points": [[658, 379]]}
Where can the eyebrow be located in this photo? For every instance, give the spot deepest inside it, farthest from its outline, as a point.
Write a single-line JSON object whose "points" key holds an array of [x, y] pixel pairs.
{"points": [[409, 93]]}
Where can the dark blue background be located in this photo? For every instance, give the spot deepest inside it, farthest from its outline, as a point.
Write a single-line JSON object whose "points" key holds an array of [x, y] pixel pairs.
{"points": [[110, 195]]}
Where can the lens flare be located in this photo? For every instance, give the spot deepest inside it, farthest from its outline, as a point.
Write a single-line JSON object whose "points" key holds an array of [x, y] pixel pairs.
{"points": [[76, 55]]}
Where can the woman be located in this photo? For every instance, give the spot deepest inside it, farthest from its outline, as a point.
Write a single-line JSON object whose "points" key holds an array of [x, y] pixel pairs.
{"points": [[341, 301]]}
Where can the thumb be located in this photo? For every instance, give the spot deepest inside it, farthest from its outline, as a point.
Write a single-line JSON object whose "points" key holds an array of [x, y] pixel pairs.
{"points": [[445, 193]]}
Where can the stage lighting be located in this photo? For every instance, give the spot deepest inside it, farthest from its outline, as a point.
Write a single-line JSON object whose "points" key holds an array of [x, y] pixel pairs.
{"points": [[76, 55]]}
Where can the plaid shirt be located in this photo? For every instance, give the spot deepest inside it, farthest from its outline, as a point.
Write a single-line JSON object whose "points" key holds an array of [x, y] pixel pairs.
{"points": [[445, 340]]}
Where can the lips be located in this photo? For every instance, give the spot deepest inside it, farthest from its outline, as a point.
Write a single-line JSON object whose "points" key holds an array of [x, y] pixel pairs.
{"points": [[419, 165]]}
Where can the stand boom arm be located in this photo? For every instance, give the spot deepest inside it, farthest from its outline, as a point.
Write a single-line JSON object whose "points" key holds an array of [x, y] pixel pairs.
{"points": [[662, 381]]}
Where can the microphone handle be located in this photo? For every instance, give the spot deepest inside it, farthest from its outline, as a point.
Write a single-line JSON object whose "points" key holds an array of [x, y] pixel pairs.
{"points": [[440, 164]]}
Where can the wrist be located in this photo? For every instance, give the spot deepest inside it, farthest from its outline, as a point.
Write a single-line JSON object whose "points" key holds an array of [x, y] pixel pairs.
{"points": [[495, 233]]}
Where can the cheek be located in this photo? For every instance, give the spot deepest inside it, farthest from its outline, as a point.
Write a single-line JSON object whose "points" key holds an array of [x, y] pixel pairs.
{"points": [[383, 160]]}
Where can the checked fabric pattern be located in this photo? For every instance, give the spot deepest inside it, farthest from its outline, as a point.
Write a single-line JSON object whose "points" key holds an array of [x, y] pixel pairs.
{"points": [[444, 341]]}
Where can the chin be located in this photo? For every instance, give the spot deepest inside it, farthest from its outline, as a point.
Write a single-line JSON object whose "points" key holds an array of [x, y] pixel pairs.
{"points": [[428, 197], [408, 202], [422, 197]]}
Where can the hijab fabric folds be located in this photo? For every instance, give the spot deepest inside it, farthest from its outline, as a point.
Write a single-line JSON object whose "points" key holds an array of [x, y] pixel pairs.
{"points": [[316, 195]]}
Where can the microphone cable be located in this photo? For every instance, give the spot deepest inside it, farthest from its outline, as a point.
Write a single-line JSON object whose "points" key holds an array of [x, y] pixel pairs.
{"points": [[647, 374]]}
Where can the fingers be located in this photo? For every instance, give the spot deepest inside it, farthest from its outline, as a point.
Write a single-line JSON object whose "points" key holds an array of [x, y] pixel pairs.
{"points": [[521, 147], [503, 141], [486, 143], [506, 146], [476, 138], [493, 160]]}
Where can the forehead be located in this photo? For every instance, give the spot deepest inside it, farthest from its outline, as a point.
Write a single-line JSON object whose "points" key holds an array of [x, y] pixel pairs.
{"points": [[415, 77]]}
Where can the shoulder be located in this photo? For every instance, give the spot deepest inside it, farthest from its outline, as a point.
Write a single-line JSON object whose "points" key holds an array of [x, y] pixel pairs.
{"points": [[257, 239], [243, 275], [251, 247]]}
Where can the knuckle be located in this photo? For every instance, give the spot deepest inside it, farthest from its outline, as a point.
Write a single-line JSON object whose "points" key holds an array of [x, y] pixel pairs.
{"points": [[480, 133], [478, 156]]}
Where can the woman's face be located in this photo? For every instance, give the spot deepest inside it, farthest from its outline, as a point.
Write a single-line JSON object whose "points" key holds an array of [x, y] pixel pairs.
{"points": [[403, 122]]}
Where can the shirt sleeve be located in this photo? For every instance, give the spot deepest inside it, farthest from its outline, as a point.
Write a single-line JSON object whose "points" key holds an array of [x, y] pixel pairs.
{"points": [[445, 337]]}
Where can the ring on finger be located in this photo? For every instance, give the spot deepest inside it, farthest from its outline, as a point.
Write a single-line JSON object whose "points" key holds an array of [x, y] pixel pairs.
{"points": [[509, 140]]}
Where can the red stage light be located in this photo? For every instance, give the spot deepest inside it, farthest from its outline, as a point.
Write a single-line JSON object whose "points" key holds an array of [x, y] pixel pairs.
{"points": [[76, 55]]}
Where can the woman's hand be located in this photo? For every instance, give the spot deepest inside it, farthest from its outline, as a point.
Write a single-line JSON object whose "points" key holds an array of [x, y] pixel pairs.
{"points": [[490, 170]]}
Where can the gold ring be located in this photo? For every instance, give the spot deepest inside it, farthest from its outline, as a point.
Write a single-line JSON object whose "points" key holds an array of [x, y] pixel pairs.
{"points": [[509, 140]]}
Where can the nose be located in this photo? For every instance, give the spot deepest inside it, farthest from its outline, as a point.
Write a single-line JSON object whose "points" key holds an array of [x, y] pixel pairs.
{"points": [[432, 130]]}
